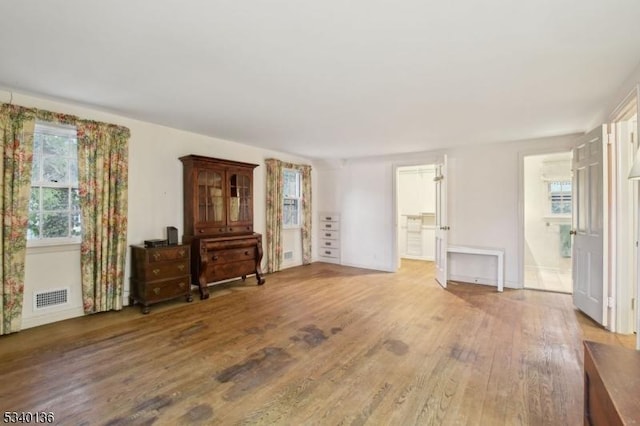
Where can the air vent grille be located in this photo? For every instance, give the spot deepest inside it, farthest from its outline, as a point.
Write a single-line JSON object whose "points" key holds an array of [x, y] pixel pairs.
{"points": [[288, 255], [50, 298]]}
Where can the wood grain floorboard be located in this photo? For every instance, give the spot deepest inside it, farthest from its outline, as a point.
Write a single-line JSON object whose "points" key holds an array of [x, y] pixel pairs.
{"points": [[319, 344]]}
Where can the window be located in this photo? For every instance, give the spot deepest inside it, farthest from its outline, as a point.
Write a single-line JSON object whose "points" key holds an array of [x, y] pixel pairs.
{"points": [[54, 205], [560, 198], [292, 199]]}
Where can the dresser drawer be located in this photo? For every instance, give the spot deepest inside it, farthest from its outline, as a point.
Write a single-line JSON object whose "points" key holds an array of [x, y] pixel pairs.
{"points": [[327, 217], [163, 270], [166, 289], [161, 254], [333, 244], [223, 271], [329, 226], [329, 235], [223, 230], [329, 252], [232, 255]]}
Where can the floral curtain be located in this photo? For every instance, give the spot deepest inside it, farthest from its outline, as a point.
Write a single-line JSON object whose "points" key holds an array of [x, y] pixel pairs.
{"points": [[16, 132], [103, 183], [306, 213], [274, 214], [275, 200]]}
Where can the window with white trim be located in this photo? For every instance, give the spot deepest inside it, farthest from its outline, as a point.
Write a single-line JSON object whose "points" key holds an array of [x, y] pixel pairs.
{"points": [[292, 194], [54, 204], [560, 198]]}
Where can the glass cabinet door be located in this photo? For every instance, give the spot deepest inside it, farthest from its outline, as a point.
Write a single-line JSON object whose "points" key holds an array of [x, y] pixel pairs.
{"points": [[240, 198], [210, 197]]}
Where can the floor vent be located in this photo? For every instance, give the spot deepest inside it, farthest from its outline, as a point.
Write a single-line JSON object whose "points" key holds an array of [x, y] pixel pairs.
{"points": [[288, 255], [46, 299]]}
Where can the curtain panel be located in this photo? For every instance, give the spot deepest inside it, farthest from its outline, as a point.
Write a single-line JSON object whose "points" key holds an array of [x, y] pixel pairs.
{"points": [[273, 240], [17, 126], [275, 200], [103, 185]]}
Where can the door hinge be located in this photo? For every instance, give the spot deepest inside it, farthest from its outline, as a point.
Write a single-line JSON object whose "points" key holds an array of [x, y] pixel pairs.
{"points": [[609, 302], [633, 303]]}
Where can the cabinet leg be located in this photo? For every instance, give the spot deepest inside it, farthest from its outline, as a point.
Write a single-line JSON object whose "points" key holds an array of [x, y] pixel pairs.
{"points": [[145, 309], [189, 298], [202, 285], [244, 277]]}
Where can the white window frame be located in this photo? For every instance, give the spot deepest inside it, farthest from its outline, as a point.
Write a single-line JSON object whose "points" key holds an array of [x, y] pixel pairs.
{"points": [[562, 194], [295, 198], [64, 131]]}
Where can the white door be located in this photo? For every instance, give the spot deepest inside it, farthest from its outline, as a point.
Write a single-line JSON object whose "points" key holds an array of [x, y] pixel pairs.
{"points": [[589, 294], [441, 223]]}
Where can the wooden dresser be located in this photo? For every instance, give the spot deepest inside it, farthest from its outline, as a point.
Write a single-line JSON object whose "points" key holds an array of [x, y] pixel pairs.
{"points": [[159, 274], [218, 220], [611, 385]]}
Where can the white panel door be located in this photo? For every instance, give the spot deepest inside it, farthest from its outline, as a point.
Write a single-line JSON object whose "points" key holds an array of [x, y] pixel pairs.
{"points": [[442, 229], [589, 191]]}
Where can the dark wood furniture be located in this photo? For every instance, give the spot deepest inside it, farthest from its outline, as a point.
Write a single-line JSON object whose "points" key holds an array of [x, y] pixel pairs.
{"points": [[218, 220], [611, 385], [159, 274]]}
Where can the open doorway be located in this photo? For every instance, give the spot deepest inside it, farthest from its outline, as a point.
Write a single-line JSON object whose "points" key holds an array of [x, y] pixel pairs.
{"points": [[547, 222], [416, 212]]}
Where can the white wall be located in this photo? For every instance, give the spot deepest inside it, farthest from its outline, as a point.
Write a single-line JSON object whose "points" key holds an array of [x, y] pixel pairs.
{"points": [[483, 202], [155, 196]]}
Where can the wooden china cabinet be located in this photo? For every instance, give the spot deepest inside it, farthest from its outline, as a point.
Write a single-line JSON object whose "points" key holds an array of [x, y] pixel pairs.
{"points": [[218, 220]]}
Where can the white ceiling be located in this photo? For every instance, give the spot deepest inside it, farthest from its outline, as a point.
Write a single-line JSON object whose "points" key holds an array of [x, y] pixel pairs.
{"points": [[329, 78]]}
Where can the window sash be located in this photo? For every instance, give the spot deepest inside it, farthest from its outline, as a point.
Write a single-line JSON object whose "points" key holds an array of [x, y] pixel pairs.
{"points": [[292, 198], [54, 202]]}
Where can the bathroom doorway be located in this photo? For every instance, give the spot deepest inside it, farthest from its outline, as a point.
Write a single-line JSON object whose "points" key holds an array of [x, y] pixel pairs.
{"points": [[548, 206]]}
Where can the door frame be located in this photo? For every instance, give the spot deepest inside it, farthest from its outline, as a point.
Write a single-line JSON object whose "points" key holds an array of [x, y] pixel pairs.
{"points": [[624, 253], [426, 160], [525, 154], [564, 147]]}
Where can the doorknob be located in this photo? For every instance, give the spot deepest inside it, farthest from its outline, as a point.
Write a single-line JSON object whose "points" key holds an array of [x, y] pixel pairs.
{"points": [[573, 232], [444, 228]]}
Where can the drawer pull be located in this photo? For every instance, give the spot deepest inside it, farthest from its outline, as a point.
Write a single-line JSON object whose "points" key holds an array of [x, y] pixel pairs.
{"points": [[156, 271], [221, 230], [327, 218], [246, 253], [327, 225], [181, 252], [327, 235], [214, 258], [181, 267], [327, 243], [327, 252], [248, 228], [156, 290], [181, 284], [156, 255], [201, 231]]}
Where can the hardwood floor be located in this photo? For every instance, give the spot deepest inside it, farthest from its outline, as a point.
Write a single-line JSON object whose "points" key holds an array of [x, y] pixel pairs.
{"points": [[319, 344]]}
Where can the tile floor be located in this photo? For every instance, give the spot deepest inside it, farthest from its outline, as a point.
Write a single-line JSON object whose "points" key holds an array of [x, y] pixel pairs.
{"points": [[547, 279]]}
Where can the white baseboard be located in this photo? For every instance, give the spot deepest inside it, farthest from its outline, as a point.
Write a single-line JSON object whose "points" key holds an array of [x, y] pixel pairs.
{"points": [[49, 317]]}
